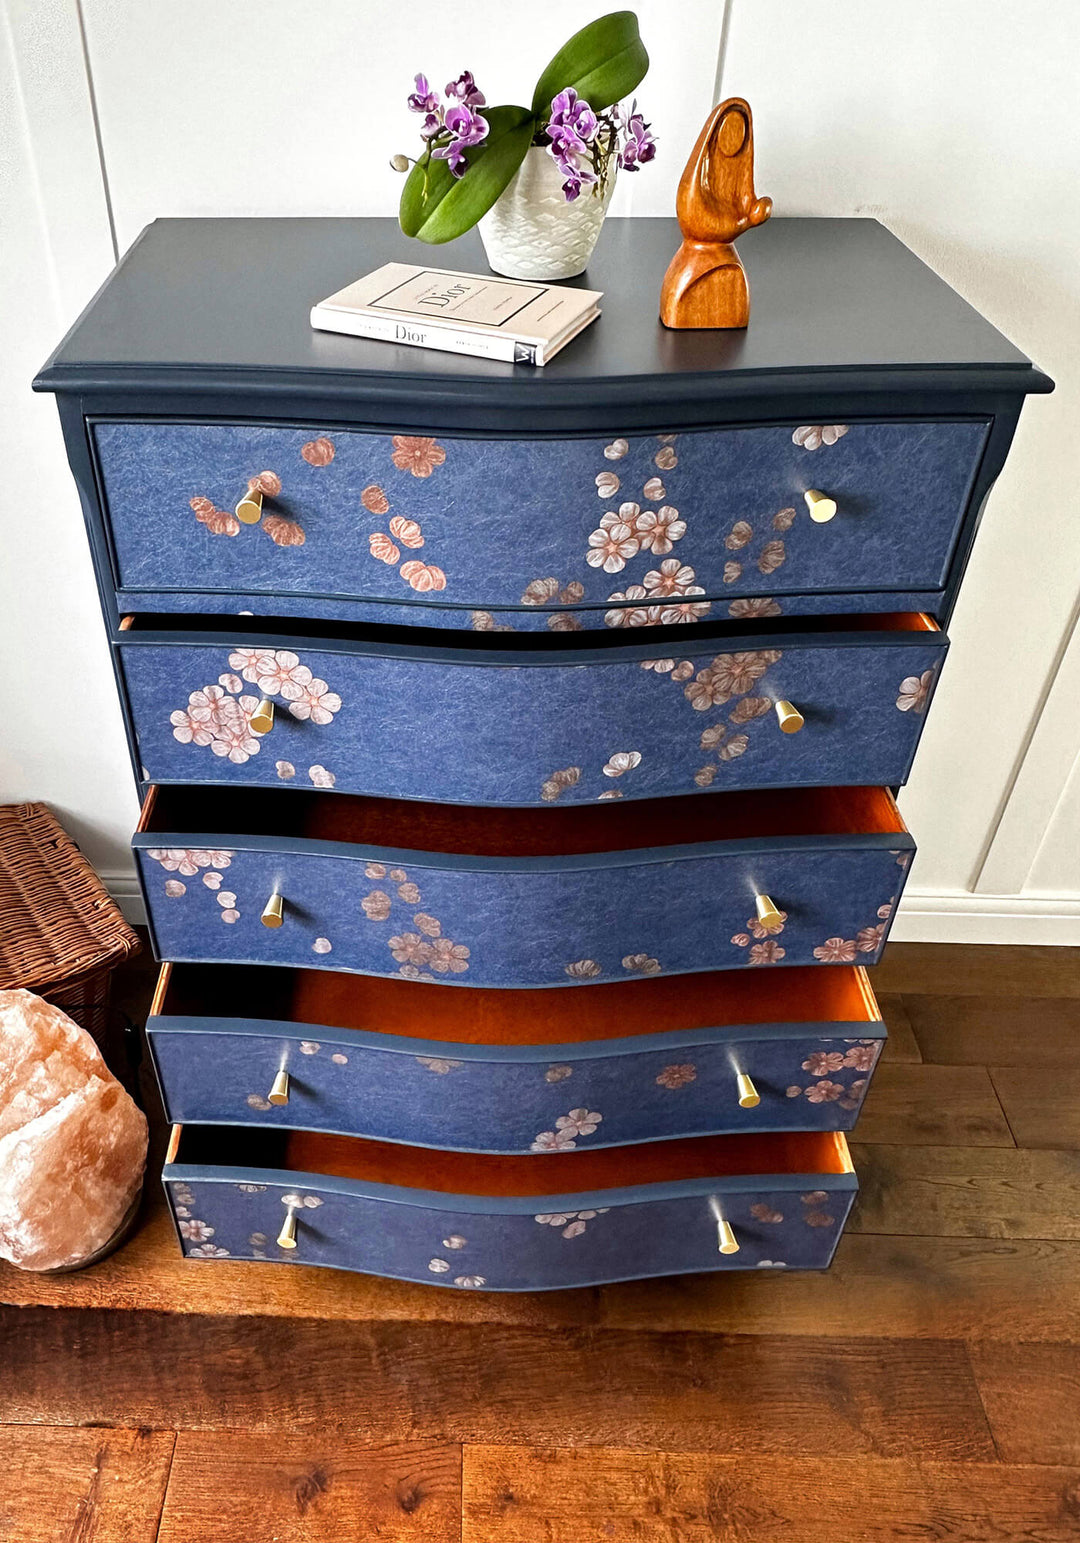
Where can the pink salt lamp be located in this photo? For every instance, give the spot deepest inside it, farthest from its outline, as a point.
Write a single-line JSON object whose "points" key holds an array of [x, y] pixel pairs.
{"points": [[72, 1141]]}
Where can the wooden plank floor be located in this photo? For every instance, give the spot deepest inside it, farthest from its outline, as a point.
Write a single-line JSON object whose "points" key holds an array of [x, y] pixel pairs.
{"points": [[928, 1386]]}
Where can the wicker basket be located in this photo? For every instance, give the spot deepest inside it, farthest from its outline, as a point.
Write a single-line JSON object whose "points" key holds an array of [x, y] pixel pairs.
{"points": [[60, 934]]}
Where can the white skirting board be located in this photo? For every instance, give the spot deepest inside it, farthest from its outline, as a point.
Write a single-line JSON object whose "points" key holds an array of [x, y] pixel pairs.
{"points": [[929, 916], [926, 916]]}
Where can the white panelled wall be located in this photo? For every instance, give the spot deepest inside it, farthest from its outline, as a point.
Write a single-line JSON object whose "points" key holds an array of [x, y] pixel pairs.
{"points": [[953, 124]]}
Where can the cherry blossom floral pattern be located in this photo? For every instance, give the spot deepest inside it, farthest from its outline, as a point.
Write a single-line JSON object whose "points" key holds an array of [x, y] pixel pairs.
{"points": [[814, 435], [223, 522], [634, 530], [914, 692], [714, 686], [761, 1211], [678, 1076], [612, 544], [568, 1127], [416, 455], [832, 1069], [813, 1215], [558, 782], [417, 952], [419, 457], [318, 452], [280, 672], [617, 765], [191, 1229], [219, 716], [188, 860], [570, 1223], [867, 940], [767, 952], [641, 964], [541, 592], [195, 1231], [583, 969]]}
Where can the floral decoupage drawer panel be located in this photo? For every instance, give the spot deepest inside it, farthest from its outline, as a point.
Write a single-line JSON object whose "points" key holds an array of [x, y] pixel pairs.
{"points": [[492, 1099], [475, 1243], [481, 727], [522, 921], [622, 531]]}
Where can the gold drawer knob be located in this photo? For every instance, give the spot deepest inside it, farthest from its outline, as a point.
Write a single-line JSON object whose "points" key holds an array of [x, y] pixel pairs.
{"points": [[249, 511], [726, 1240], [768, 914], [749, 1097], [273, 913], [262, 719], [788, 717], [822, 508], [279, 1093], [286, 1238]]}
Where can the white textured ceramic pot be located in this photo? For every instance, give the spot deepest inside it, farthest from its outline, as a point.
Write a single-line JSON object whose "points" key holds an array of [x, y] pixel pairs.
{"points": [[533, 233]]}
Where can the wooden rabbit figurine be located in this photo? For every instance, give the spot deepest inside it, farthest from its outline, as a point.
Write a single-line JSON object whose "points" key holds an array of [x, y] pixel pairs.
{"points": [[705, 285]]}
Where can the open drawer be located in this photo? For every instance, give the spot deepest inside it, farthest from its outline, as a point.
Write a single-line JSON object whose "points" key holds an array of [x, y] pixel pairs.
{"points": [[531, 721], [506, 1071], [502, 897], [510, 1223]]}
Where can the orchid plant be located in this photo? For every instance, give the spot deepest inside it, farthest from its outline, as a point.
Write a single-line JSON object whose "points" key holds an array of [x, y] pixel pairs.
{"points": [[472, 151]]}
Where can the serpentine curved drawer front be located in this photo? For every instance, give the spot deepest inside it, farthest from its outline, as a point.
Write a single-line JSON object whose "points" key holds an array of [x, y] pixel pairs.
{"points": [[648, 1059], [627, 531], [468, 724], [489, 897], [510, 1223]]}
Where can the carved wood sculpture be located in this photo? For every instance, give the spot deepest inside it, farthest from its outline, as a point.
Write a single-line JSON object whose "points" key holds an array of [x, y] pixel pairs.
{"points": [[705, 284]]}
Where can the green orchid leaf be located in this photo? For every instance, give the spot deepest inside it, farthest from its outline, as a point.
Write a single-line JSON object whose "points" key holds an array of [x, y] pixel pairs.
{"points": [[436, 206], [603, 62]]}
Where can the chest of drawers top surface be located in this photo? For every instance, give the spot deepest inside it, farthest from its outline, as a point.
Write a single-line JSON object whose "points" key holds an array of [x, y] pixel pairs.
{"points": [[220, 306]]}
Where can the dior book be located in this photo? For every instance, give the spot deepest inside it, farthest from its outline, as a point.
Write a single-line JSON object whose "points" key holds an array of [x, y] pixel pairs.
{"points": [[462, 313]]}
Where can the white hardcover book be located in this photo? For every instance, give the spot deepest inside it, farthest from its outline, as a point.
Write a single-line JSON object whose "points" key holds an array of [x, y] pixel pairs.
{"points": [[466, 313]]}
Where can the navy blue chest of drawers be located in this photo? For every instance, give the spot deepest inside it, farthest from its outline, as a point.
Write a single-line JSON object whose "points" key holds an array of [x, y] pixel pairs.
{"points": [[517, 747]]}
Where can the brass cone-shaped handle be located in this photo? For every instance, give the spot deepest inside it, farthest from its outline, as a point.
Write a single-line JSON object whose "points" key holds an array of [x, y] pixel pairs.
{"points": [[273, 913], [767, 913], [279, 1093], [749, 1097], [249, 510], [822, 508], [262, 719], [726, 1240], [286, 1238], [788, 717]]}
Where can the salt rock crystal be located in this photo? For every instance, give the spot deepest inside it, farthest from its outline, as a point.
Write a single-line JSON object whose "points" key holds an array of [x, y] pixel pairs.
{"points": [[72, 1141]]}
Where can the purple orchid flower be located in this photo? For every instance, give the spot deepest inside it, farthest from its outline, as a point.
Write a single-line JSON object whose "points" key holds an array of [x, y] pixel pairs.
{"points": [[431, 126], [573, 122], [464, 90], [467, 129], [423, 99], [577, 175], [639, 145]]}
